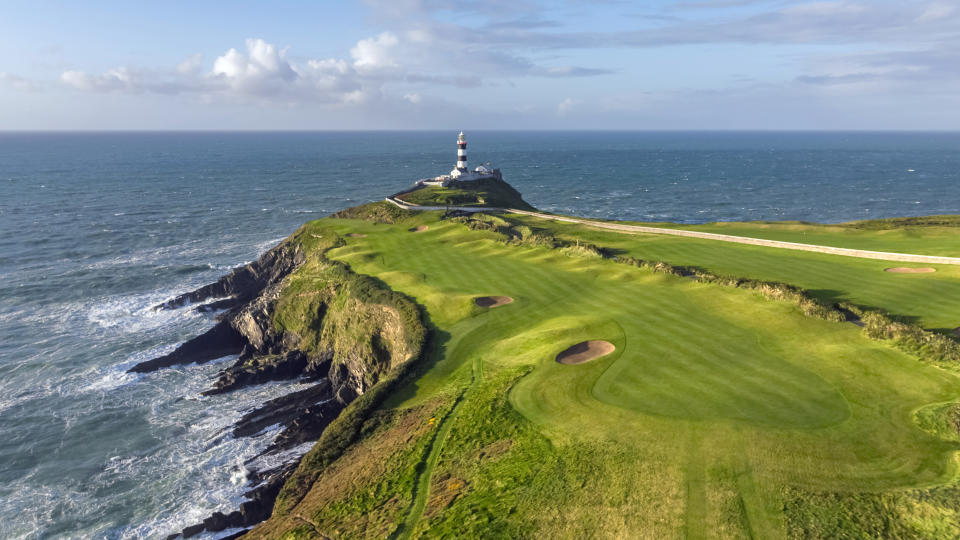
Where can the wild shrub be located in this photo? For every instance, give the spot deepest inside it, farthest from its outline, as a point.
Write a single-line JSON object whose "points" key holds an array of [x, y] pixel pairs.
{"points": [[907, 336], [377, 212]]}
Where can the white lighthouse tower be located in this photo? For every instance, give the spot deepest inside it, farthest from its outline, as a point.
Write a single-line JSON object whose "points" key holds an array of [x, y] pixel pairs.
{"points": [[460, 171], [461, 167]]}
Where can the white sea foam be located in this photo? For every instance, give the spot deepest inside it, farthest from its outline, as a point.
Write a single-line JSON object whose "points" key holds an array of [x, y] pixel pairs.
{"points": [[202, 467], [276, 459], [136, 313]]}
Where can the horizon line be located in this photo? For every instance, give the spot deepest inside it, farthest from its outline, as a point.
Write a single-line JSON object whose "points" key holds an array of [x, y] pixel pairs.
{"points": [[435, 130]]}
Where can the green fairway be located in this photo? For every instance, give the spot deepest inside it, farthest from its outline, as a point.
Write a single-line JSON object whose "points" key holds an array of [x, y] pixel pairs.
{"points": [[930, 299], [719, 414]]}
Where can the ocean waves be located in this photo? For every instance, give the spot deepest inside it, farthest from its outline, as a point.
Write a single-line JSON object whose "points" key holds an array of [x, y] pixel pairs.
{"points": [[98, 229]]}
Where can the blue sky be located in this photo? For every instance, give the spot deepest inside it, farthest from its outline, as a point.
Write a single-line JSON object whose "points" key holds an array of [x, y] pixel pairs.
{"points": [[498, 64]]}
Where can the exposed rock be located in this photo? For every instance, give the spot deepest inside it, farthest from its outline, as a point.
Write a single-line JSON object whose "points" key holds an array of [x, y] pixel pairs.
{"points": [[282, 410], [225, 304], [250, 290], [307, 425], [221, 340], [251, 512], [247, 326], [260, 369], [245, 282], [216, 522], [192, 530]]}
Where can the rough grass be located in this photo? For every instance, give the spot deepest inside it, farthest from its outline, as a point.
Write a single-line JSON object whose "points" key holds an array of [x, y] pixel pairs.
{"points": [[329, 307], [376, 212], [369, 482], [905, 222], [724, 411]]}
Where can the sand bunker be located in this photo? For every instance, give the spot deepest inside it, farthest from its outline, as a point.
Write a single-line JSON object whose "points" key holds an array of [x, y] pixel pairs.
{"points": [[421, 228], [356, 235], [905, 270], [585, 351], [492, 301]]}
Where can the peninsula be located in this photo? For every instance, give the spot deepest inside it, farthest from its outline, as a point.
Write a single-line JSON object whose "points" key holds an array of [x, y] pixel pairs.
{"points": [[482, 369]]}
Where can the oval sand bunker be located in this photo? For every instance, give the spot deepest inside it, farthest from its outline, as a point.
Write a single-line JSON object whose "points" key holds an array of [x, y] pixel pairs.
{"points": [[421, 228], [492, 301], [905, 270], [585, 351]]}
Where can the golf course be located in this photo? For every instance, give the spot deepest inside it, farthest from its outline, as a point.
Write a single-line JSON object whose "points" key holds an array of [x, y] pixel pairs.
{"points": [[580, 382]]}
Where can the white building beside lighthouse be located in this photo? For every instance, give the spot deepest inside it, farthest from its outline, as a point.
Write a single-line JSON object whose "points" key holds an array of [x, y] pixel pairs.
{"points": [[460, 171]]}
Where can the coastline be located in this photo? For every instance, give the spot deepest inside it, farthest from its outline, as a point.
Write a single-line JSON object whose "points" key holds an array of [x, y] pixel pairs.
{"points": [[298, 412]]}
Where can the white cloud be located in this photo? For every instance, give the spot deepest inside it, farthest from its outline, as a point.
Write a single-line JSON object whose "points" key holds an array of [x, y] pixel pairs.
{"points": [[414, 59], [256, 72], [191, 65], [375, 53], [566, 106], [935, 12], [119, 78], [16, 82], [824, 9], [260, 72]]}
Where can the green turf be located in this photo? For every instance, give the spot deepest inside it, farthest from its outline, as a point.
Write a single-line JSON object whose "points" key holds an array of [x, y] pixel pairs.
{"points": [[485, 192], [720, 413], [930, 299]]}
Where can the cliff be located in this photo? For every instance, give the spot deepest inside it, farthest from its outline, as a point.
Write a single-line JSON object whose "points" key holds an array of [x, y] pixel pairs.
{"points": [[293, 313]]}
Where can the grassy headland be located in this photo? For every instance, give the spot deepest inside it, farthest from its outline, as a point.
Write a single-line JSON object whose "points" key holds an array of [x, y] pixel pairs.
{"points": [[724, 411], [486, 192]]}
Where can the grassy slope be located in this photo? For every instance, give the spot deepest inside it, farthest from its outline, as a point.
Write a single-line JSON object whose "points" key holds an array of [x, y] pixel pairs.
{"points": [[360, 320], [486, 192], [720, 414]]}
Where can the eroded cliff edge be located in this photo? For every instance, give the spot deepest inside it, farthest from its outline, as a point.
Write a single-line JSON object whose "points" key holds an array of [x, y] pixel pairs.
{"points": [[295, 314]]}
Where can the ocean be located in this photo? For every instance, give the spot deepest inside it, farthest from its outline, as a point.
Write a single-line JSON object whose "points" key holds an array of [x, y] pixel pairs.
{"points": [[97, 228]]}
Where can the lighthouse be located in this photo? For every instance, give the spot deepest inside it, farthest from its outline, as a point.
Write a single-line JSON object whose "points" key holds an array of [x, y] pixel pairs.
{"points": [[460, 171], [461, 167]]}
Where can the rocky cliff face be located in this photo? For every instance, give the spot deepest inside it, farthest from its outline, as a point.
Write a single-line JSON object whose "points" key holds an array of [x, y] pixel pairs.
{"points": [[246, 282], [247, 294], [294, 314]]}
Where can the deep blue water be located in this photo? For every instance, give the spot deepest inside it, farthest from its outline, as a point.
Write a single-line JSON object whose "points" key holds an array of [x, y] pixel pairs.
{"points": [[97, 228]]}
